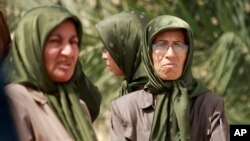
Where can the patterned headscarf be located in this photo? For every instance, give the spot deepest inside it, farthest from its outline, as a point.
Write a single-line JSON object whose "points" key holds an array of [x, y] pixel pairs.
{"points": [[171, 117], [122, 35], [25, 65]]}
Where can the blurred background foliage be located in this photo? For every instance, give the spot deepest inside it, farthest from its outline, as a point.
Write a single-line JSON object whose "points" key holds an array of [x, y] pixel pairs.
{"points": [[222, 39]]}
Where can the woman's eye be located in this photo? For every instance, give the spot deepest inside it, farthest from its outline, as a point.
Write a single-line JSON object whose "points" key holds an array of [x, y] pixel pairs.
{"points": [[179, 43], [54, 40], [74, 42]]}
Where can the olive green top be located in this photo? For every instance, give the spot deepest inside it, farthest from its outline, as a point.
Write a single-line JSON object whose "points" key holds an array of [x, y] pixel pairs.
{"points": [[25, 65], [171, 117], [122, 35]]}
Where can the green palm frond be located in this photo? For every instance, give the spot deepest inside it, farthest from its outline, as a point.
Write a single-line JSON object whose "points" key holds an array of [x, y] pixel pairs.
{"points": [[226, 67]]}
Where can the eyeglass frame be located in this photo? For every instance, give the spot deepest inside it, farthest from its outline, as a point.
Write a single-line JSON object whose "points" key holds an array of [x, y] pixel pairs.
{"points": [[163, 46]]}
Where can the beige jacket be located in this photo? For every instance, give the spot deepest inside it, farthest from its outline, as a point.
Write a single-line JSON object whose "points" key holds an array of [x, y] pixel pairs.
{"points": [[132, 117], [34, 119]]}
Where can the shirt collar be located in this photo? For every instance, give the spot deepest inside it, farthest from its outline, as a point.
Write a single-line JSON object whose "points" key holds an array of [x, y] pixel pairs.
{"points": [[145, 100], [38, 96]]}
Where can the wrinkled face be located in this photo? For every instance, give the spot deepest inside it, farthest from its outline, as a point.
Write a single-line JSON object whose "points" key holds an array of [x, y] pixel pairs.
{"points": [[110, 63], [169, 53], [61, 52]]}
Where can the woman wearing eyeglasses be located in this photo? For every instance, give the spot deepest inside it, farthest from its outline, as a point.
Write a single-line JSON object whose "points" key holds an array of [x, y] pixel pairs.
{"points": [[173, 104]]}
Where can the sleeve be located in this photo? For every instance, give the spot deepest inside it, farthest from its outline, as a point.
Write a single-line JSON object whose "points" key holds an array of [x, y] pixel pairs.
{"points": [[20, 116], [117, 128], [219, 125]]}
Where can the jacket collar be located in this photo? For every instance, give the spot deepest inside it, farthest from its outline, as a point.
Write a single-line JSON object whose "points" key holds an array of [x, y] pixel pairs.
{"points": [[38, 96], [145, 100]]}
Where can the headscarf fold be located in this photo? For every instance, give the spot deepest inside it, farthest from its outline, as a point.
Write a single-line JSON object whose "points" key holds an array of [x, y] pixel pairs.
{"points": [[122, 35], [25, 65], [171, 117]]}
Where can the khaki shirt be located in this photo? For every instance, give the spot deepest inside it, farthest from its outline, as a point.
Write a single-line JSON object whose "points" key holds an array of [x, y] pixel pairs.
{"points": [[132, 117], [34, 119]]}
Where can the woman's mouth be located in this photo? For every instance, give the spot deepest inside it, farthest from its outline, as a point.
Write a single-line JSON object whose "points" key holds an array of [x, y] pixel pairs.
{"points": [[169, 65]]}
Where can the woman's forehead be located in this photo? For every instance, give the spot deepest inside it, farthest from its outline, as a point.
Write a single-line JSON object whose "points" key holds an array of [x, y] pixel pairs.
{"points": [[175, 34]]}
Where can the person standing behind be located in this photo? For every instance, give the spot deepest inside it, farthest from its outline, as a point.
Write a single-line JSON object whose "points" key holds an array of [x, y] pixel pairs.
{"points": [[5, 40], [121, 35], [7, 128], [43, 69], [173, 105]]}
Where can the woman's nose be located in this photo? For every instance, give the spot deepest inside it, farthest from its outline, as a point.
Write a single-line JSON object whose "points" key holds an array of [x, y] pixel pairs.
{"points": [[67, 50], [170, 53]]}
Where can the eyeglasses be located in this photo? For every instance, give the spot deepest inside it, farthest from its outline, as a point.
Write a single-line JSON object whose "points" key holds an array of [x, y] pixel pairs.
{"points": [[161, 48]]}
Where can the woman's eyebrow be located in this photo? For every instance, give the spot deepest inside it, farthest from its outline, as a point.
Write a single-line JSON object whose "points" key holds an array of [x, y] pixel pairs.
{"points": [[160, 41]]}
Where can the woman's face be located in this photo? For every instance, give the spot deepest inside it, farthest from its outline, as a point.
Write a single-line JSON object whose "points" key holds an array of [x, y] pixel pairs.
{"points": [[169, 53], [110, 63], [61, 52]]}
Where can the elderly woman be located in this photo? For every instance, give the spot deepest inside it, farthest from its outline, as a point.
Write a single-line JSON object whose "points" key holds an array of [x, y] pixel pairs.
{"points": [[121, 35], [173, 105], [45, 78]]}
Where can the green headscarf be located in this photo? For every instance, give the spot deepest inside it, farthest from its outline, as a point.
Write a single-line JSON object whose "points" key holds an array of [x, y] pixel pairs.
{"points": [[122, 35], [171, 117], [25, 65]]}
